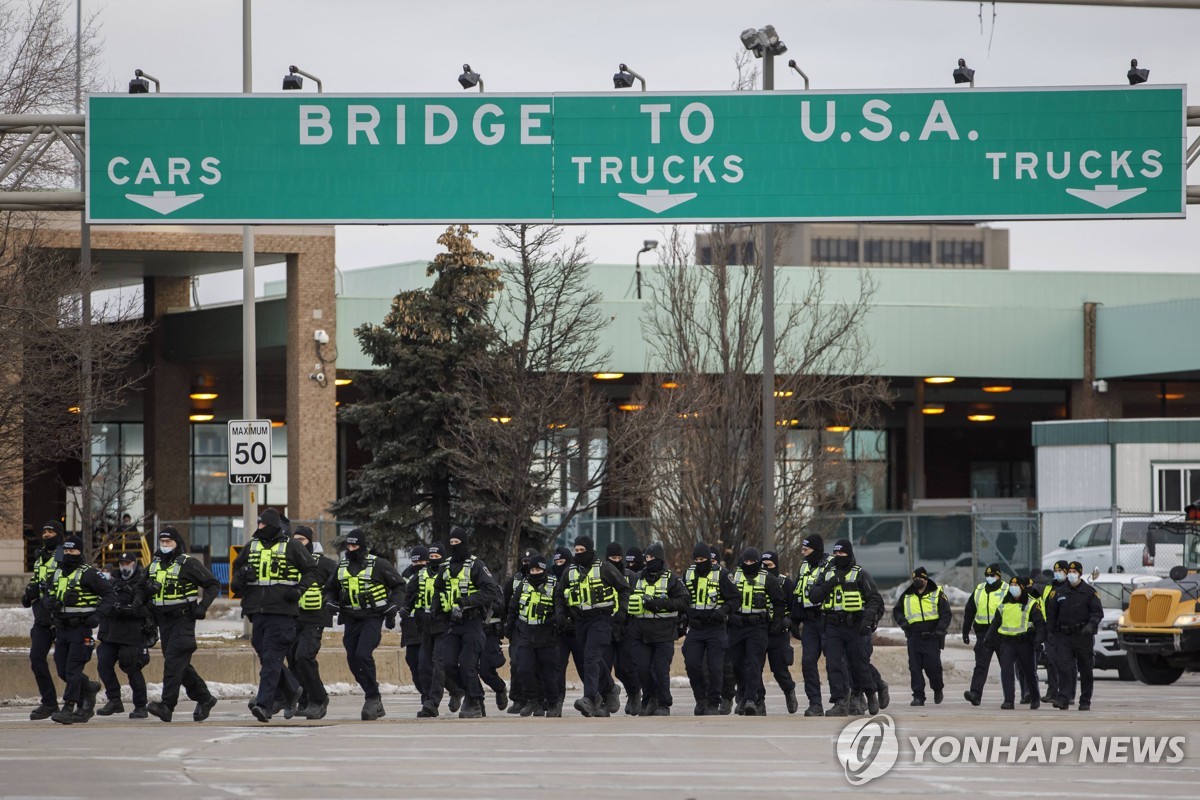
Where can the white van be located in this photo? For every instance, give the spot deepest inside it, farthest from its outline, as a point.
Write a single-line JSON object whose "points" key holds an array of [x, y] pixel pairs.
{"points": [[1092, 546]]}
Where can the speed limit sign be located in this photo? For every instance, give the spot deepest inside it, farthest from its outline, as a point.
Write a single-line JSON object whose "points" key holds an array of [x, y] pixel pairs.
{"points": [[249, 451]]}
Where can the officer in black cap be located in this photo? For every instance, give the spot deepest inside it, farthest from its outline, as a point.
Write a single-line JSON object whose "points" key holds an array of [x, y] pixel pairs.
{"points": [[923, 613], [806, 616], [850, 606], [518, 646], [656, 598], [410, 633], [366, 591], [780, 654], [122, 638], [1017, 628], [464, 591], [710, 594], [624, 661], [420, 602], [315, 617], [181, 591], [82, 596], [1074, 614], [977, 617], [759, 605], [271, 574], [531, 617], [38, 596], [1044, 586], [594, 595]]}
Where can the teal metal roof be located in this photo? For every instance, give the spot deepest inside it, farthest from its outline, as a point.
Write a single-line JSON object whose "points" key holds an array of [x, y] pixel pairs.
{"points": [[967, 323], [1116, 431]]}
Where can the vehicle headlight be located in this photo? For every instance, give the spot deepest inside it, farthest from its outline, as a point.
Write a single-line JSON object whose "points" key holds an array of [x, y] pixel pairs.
{"points": [[1188, 619], [1121, 621], [1109, 626]]}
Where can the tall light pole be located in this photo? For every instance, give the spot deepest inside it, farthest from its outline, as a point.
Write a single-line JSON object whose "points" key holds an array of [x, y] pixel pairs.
{"points": [[249, 328], [764, 42], [647, 246]]}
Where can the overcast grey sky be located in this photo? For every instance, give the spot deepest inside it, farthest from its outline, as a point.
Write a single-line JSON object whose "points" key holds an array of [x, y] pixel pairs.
{"points": [[374, 46]]}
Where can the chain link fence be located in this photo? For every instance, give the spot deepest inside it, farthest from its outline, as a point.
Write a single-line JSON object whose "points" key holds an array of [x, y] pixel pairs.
{"points": [[1113, 540]]}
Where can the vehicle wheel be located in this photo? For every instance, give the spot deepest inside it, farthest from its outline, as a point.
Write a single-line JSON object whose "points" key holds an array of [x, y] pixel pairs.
{"points": [[1153, 670], [1125, 673]]}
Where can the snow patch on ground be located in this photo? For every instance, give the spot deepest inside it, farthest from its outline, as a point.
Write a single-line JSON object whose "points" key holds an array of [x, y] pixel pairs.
{"points": [[15, 621]]}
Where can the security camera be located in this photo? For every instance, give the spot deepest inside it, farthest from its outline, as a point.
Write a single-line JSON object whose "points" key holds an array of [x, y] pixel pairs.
{"points": [[1100, 386], [319, 377], [321, 336]]}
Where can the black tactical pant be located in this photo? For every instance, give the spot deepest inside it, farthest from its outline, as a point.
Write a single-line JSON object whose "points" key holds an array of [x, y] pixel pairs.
{"points": [[704, 650], [272, 636], [810, 654], [748, 654], [924, 659], [72, 650], [593, 648], [412, 657], [983, 661], [846, 661], [625, 663], [1017, 651], [491, 660], [653, 661], [780, 657], [41, 637], [458, 652], [303, 663], [518, 652], [177, 635], [539, 672], [360, 639], [1075, 658], [131, 660]]}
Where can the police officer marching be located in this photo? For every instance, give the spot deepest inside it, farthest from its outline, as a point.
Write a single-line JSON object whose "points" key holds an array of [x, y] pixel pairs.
{"points": [[977, 617], [780, 654], [271, 574], [314, 618], [464, 591], [711, 594], [181, 590], [421, 603], [1074, 615], [122, 638], [1016, 630], [923, 613], [806, 614], [850, 606], [655, 599], [81, 596], [531, 618], [518, 647], [624, 662], [365, 591], [410, 632], [759, 603], [41, 635]]}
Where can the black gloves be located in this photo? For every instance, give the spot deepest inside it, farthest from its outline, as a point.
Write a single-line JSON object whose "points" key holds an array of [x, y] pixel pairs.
{"points": [[966, 637], [655, 604], [864, 627], [291, 594], [31, 594], [718, 616], [93, 620], [926, 634], [199, 612], [777, 627], [619, 618], [390, 622], [1088, 630], [456, 614]]}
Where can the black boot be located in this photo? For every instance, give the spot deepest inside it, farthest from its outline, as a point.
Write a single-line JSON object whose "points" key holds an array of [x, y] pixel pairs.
{"points": [[203, 709], [555, 709], [160, 711], [372, 709], [456, 699], [633, 703], [65, 715], [814, 710], [110, 708], [612, 700], [840, 709], [502, 698], [471, 709], [793, 705], [316, 710], [87, 709], [43, 711], [726, 706], [872, 703], [139, 712]]}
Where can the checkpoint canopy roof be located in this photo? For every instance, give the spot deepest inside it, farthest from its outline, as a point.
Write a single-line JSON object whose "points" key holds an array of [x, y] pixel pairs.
{"points": [[1020, 153]]}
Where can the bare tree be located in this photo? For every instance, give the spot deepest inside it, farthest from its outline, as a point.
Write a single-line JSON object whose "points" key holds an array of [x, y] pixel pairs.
{"points": [[705, 331]]}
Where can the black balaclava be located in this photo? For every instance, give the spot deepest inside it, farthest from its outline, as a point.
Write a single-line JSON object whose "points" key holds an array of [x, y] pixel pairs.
{"points": [[584, 560], [51, 543], [528, 554], [169, 532], [359, 538], [306, 532], [817, 544], [462, 551], [843, 554], [615, 553], [437, 554], [773, 557], [750, 554], [70, 563], [655, 561], [565, 554], [539, 561], [272, 525], [701, 550], [634, 562], [418, 555]]}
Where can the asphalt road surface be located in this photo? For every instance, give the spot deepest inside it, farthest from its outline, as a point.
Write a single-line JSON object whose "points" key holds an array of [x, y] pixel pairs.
{"points": [[503, 756]]}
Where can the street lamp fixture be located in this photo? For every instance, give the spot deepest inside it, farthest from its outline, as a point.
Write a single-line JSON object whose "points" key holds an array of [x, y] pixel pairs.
{"points": [[647, 246], [1136, 75], [793, 65], [964, 74], [141, 83], [625, 77], [763, 41], [470, 78], [294, 80]]}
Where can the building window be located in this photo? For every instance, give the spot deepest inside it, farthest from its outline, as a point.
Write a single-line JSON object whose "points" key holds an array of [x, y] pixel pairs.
{"points": [[835, 251], [210, 467], [897, 251], [735, 254], [118, 479], [1175, 486], [958, 251], [1002, 479]]}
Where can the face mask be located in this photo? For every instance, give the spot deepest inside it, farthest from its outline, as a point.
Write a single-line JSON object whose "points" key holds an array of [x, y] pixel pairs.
{"points": [[920, 585], [70, 562], [166, 549], [459, 552], [991, 580], [585, 559], [356, 555], [1015, 591], [1060, 576], [127, 572], [537, 579], [703, 567], [750, 569], [1073, 578], [654, 566]]}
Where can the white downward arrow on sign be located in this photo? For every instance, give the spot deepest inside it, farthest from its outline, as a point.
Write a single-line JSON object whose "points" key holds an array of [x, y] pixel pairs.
{"points": [[1105, 196], [657, 200], [164, 202]]}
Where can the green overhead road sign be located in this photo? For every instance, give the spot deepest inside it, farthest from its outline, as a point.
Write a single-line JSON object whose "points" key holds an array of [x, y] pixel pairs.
{"points": [[974, 154]]}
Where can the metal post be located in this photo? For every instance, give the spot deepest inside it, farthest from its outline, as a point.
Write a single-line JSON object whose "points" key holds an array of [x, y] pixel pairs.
{"points": [[85, 312], [1116, 540], [249, 332], [768, 365]]}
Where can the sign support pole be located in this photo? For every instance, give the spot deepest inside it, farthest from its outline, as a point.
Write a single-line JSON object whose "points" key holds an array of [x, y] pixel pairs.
{"points": [[768, 349], [249, 330]]}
